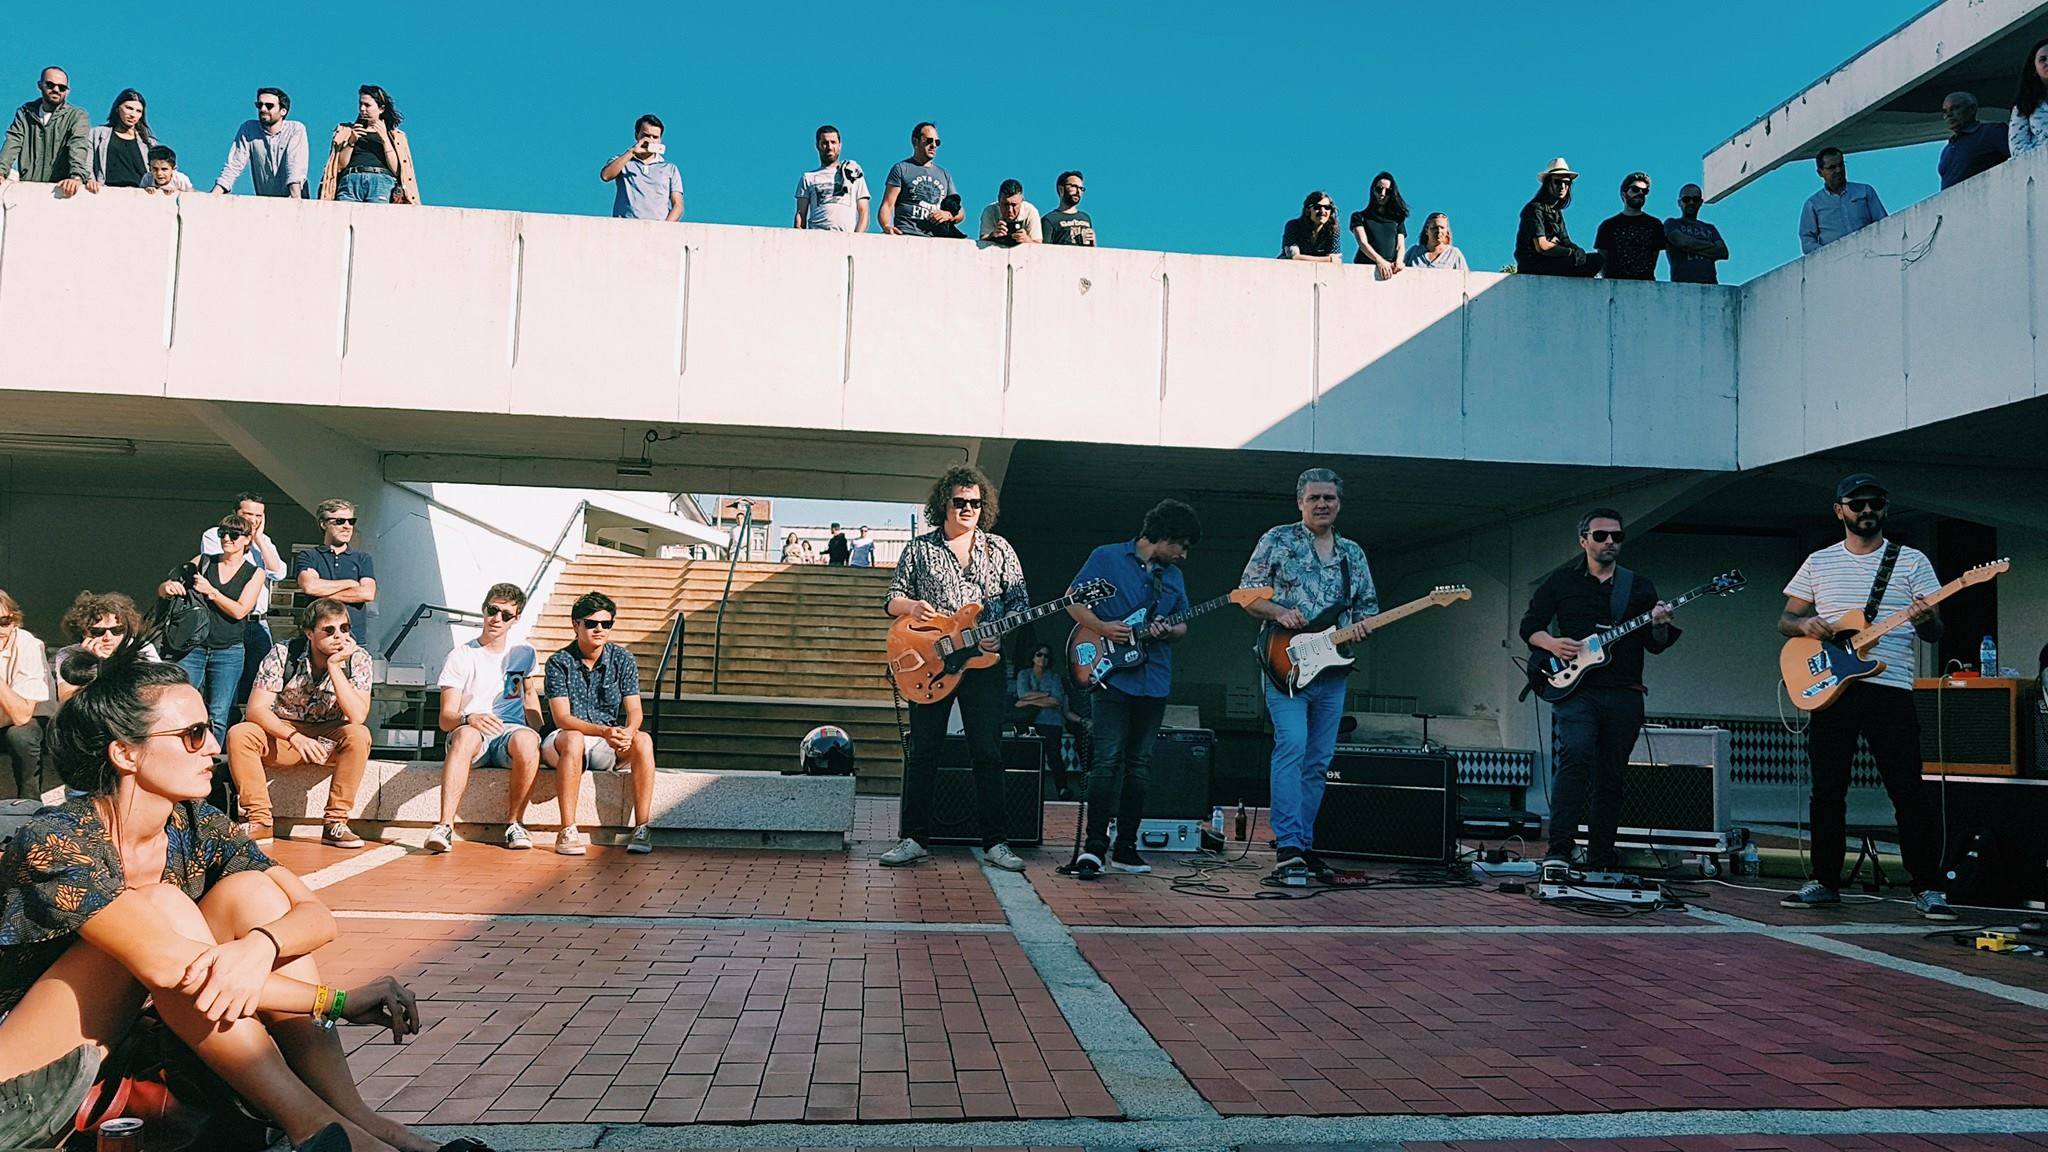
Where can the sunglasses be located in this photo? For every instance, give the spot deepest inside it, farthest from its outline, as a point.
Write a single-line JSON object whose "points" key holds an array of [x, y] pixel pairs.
{"points": [[49, 86], [192, 736], [1322, 208], [341, 520], [333, 630], [9, 621], [232, 534], [1865, 504], [931, 140], [594, 624], [1602, 535], [963, 504], [501, 614], [97, 633]]}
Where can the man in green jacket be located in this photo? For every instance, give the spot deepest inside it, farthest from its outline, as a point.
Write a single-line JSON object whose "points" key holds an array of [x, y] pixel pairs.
{"points": [[46, 142]]}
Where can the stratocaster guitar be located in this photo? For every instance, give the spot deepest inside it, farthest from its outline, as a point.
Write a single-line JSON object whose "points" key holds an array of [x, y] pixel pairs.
{"points": [[1816, 671], [1294, 658], [926, 659], [1553, 679], [1093, 656]]}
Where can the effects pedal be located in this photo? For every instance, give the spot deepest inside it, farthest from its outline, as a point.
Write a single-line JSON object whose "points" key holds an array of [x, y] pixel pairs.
{"points": [[1560, 882]]}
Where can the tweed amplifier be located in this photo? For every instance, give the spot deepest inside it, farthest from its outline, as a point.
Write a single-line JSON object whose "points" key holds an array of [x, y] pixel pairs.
{"points": [[953, 810], [1389, 804], [1970, 725]]}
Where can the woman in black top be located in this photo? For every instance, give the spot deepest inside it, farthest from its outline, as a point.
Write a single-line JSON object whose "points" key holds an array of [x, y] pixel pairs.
{"points": [[119, 149], [371, 163], [1542, 245], [139, 890], [1313, 234], [229, 583], [1381, 227]]}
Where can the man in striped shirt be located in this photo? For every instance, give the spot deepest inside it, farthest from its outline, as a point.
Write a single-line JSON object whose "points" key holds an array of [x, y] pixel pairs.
{"points": [[1832, 583]]}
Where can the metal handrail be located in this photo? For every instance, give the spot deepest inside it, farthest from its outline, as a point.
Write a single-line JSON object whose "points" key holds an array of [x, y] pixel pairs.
{"points": [[672, 649], [555, 552], [420, 612], [732, 562]]}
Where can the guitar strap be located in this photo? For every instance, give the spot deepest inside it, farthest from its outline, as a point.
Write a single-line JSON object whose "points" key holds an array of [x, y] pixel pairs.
{"points": [[1624, 587], [1884, 579]]}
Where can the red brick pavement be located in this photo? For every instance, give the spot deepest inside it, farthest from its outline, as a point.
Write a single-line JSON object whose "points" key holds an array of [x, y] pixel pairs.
{"points": [[1888, 1142], [571, 1023], [2024, 970], [1478, 1024]]}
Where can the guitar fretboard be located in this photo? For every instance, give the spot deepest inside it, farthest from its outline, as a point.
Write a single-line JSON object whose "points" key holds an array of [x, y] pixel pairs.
{"points": [[1186, 615], [1868, 638], [1015, 620], [1634, 622]]}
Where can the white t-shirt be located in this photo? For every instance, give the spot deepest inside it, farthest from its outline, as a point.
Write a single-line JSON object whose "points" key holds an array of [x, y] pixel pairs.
{"points": [[1838, 582], [490, 681], [830, 196], [25, 666], [994, 212]]}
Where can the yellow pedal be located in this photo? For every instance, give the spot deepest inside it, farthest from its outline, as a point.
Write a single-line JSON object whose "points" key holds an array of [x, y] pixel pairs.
{"points": [[1997, 942]]}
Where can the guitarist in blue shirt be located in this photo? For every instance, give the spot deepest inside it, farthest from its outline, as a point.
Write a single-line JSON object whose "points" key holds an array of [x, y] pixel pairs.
{"points": [[1129, 703]]}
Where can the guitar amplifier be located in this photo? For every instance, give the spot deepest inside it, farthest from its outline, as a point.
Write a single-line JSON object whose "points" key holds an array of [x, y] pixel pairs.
{"points": [[1178, 784], [1997, 849], [1387, 804], [954, 819], [1969, 726], [1675, 791]]}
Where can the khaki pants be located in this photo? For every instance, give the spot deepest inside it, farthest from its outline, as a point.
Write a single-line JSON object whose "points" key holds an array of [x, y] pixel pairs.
{"points": [[253, 753]]}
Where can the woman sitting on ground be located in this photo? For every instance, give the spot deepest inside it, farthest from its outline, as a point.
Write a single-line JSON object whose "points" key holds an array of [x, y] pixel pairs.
{"points": [[138, 890]]}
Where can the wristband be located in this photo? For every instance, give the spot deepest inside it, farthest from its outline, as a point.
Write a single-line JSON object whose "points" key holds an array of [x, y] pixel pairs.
{"points": [[334, 1010], [267, 935], [321, 995]]}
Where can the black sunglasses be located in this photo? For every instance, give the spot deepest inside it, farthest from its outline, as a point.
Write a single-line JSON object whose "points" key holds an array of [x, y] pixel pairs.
{"points": [[333, 629], [501, 613], [232, 533], [1865, 503], [1602, 535], [963, 503], [593, 623], [341, 519], [192, 736], [94, 633]]}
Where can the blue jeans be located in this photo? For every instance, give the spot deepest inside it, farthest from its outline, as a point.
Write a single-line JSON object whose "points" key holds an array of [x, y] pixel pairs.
{"points": [[1304, 738], [365, 187], [215, 672]]}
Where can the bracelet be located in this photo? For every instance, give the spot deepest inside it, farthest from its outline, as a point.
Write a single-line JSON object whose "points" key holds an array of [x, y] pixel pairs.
{"points": [[321, 995], [335, 1010], [268, 936]]}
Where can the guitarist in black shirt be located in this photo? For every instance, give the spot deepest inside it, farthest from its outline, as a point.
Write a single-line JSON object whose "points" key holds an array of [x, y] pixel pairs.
{"points": [[1597, 725]]}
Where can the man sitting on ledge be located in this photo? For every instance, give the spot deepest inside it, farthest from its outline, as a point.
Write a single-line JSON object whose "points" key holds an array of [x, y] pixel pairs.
{"points": [[593, 693], [490, 707], [310, 704]]}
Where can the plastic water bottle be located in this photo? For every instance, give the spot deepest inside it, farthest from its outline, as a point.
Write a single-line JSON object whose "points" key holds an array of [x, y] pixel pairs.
{"points": [[1987, 657], [1216, 821], [1752, 861]]}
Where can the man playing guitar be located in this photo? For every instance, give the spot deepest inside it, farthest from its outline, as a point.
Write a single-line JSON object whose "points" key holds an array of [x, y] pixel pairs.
{"points": [[1597, 725], [1833, 582], [1129, 704], [958, 563], [1314, 573]]}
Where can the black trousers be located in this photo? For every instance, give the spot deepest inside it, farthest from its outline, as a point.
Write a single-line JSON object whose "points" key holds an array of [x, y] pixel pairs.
{"points": [[1883, 716], [1596, 730], [1125, 728], [981, 699], [1558, 265], [24, 746], [1026, 720]]}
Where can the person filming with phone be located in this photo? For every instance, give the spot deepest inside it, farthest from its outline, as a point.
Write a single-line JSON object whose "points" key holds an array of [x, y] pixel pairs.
{"points": [[645, 185]]}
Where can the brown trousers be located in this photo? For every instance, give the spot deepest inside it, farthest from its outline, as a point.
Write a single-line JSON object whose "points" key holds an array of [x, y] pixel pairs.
{"points": [[253, 753]]}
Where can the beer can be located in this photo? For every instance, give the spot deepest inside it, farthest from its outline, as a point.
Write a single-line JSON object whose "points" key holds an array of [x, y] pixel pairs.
{"points": [[122, 1135]]}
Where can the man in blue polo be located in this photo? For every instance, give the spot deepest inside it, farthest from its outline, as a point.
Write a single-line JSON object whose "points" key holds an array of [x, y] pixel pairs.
{"points": [[1129, 704]]}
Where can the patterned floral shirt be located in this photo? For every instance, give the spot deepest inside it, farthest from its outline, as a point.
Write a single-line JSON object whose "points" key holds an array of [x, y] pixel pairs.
{"points": [[299, 696], [993, 578], [1286, 561], [61, 870]]}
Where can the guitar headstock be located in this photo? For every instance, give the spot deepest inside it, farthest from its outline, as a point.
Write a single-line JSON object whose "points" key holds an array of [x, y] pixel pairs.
{"points": [[1445, 594], [1983, 572], [1245, 597], [1093, 591], [1727, 583]]}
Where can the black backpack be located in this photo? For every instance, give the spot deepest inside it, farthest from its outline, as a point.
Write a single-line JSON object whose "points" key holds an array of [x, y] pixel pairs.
{"points": [[180, 624]]}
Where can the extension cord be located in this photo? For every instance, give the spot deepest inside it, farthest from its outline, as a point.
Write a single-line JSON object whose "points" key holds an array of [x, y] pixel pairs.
{"points": [[1505, 870]]}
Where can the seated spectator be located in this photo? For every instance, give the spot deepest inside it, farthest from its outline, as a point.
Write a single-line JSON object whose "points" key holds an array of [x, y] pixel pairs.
{"points": [[593, 694], [310, 705], [1630, 240], [1543, 246], [229, 584], [120, 148], [24, 692], [833, 197], [336, 571], [47, 140], [272, 147], [1693, 245], [919, 199], [98, 623], [1381, 227], [1840, 207], [1313, 234], [1436, 250], [164, 176], [220, 951], [1011, 220], [645, 186], [2028, 127], [1040, 692], [1973, 146], [490, 708], [371, 162], [1068, 224]]}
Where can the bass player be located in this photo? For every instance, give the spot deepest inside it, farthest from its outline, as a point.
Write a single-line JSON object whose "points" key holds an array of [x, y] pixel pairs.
{"points": [[1857, 571], [1128, 705], [1318, 578], [1597, 725], [958, 563]]}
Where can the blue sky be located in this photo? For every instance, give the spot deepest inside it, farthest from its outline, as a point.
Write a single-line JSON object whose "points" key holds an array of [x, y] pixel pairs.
{"points": [[1199, 131]]}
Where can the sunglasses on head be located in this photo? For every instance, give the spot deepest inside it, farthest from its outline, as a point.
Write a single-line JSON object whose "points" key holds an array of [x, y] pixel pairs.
{"points": [[192, 736], [594, 624], [964, 504], [496, 613], [96, 632], [1602, 535], [1865, 503]]}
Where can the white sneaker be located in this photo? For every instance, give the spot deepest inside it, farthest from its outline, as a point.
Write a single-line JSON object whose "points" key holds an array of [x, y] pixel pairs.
{"points": [[516, 838], [570, 842], [641, 842], [908, 852], [1000, 856], [441, 838]]}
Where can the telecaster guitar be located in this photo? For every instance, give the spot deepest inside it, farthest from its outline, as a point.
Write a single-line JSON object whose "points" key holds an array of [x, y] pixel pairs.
{"points": [[1553, 679], [1816, 671], [926, 659], [1294, 658], [1093, 656]]}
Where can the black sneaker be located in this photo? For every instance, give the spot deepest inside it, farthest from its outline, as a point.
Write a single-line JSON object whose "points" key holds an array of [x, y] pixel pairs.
{"points": [[1088, 866], [1125, 858], [1291, 868]]}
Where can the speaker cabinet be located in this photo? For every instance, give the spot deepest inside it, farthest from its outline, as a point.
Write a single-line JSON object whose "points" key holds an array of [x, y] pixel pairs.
{"points": [[1382, 804], [1178, 786], [953, 800], [1970, 725]]}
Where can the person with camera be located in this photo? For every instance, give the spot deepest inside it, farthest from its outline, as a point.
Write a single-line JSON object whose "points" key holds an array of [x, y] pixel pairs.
{"points": [[919, 198], [228, 586], [645, 186], [371, 162], [310, 704], [1011, 220], [833, 197]]}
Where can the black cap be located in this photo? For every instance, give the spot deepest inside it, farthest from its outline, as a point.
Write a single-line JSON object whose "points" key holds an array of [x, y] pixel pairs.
{"points": [[1857, 482]]}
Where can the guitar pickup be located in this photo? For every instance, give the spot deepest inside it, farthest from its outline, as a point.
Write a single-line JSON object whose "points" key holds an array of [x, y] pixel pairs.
{"points": [[1817, 663]]}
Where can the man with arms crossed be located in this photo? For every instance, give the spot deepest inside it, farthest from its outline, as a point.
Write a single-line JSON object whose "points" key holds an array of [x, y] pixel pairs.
{"points": [[490, 707]]}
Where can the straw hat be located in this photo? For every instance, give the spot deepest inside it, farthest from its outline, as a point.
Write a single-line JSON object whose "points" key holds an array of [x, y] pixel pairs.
{"points": [[1557, 168]]}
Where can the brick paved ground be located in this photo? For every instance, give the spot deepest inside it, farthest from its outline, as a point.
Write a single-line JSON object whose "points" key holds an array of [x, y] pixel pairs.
{"points": [[1888, 1142]]}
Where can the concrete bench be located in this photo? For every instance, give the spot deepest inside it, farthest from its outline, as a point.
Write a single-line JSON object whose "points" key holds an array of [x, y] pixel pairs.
{"points": [[701, 808]]}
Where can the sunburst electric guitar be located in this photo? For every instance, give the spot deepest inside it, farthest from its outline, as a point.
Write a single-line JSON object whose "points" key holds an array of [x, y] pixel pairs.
{"points": [[926, 659], [1816, 671], [1295, 658]]}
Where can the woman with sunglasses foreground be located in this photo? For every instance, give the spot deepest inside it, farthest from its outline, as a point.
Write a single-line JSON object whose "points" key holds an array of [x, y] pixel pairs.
{"points": [[138, 892]]}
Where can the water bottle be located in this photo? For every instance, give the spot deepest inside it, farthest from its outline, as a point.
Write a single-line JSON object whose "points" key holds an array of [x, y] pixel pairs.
{"points": [[1752, 861], [1987, 657], [1216, 821]]}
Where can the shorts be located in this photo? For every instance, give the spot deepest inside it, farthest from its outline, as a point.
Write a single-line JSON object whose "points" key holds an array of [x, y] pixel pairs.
{"points": [[497, 751], [365, 187], [38, 1108], [597, 755]]}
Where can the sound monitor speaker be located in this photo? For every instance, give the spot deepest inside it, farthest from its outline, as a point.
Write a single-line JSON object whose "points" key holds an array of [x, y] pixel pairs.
{"points": [[1177, 787], [1677, 781], [1386, 804], [1969, 726], [954, 819], [1997, 849]]}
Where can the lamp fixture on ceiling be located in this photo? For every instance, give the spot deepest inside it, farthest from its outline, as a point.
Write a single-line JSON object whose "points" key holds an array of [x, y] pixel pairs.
{"points": [[37, 442]]}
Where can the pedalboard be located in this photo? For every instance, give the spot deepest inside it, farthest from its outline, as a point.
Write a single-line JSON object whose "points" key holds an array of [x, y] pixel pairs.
{"points": [[1559, 882]]}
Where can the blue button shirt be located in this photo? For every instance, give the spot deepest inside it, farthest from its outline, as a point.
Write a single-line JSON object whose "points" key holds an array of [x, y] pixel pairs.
{"points": [[1119, 564], [1827, 217]]}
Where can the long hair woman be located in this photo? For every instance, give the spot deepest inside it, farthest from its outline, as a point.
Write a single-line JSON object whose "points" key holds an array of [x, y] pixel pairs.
{"points": [[371, 162], [119, 149], [1435, 249], [2028, 127], [1381, 227]]}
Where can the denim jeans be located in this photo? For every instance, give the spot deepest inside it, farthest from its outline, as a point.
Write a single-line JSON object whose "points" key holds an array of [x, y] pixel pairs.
{"points": [[1304, 739], [215, 672], [366, 187], [1596, 730], [980, 696], [1125, 727], [256, 644]]}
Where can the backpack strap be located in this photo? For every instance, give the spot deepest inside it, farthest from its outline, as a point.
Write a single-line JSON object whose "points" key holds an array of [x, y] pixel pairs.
{"points": [[1883, 581]]}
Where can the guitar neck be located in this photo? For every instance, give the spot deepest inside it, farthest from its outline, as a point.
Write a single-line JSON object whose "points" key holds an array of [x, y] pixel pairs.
{"points": [[1610, 635], [1188, 614], [1015, 620], [1371, 623], [1868, 637]]}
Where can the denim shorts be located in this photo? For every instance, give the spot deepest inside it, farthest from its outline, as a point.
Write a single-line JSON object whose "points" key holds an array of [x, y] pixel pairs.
{"points": [[497, 751], [366, 187], [38, 1108]]}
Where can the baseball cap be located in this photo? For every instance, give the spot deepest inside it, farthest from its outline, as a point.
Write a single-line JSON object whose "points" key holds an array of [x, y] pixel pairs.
{"points": [[1857, 482]]}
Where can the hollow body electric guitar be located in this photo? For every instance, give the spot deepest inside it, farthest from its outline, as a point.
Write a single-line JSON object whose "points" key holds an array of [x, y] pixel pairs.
{"points": [[1093, 657], [1553, 679], [926, 659], [1294, 659], [1816, 671]]}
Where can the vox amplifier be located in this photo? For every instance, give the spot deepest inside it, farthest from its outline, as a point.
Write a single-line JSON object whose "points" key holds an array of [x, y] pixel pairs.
{"points": [[1970, 726], [954, 819], [1389, 804]]}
